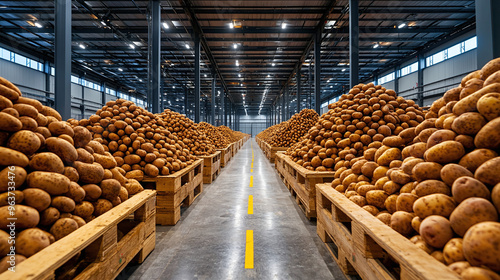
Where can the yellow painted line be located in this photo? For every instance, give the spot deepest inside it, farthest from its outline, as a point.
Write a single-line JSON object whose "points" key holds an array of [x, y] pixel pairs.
{"points": [[249, 250], [250, 204], [251, 165], [251, 170], [251, 181]]}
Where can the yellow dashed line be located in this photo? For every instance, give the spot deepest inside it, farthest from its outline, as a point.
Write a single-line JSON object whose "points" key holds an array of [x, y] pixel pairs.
{"points": [[249, 250], [251, 181], [250, 204]]}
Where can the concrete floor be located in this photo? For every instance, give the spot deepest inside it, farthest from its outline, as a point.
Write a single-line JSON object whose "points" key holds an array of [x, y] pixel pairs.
{"points": [[209, 240]]}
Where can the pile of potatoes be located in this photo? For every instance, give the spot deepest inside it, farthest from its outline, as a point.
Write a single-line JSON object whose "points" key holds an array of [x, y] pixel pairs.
{"points": [[229, 133], [267, 134], [185, 130], [358, 122], [294, 129], [139, 141], [213, 135], [53, 177], [442, 188], [239, 135]]}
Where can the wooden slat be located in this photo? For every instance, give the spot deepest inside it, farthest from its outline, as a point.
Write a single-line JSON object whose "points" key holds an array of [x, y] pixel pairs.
{"points": [[49, 259]]}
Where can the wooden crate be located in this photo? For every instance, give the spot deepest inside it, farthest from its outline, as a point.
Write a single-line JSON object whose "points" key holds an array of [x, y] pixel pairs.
{"points": [[302, 182], [234, 148], [175, 190], [362, 245], [211, 167], [226, 155], [270, 152], [108, 243]]}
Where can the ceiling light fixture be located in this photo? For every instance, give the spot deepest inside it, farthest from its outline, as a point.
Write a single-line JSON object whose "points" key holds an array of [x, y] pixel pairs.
{"points": [[103, 23], [235, 46], [376, 46], [119, 69], [205, 75], [37, 24], [82, 46], [283, 25], [231, 25], [401, 25], [173, 86], [132, 46], [343, 70], [237, 63], [239, 75], [274, 64], [140, 80], [187, 46], [165, 25]]}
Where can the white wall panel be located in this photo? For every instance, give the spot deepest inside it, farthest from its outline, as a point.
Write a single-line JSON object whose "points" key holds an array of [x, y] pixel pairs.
{"points": [[22, 76]]}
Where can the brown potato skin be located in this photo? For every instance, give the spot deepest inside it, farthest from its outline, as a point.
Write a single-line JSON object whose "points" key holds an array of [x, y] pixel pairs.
{"points": [[436, 231], [465, 187], [401, 222], [480, 245], [47, 161], [453, 251], [452, 171], [472, 211], [445, 152], [63, 227], [27, 217], [474, 159], [31, 241], [20, 175], [434, 204], [37, 198], [488, 172], [51, 182]]}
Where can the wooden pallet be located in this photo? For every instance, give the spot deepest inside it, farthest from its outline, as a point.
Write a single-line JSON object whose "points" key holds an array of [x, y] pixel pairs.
{"points": [[270, 152], [175, 190], [108, 243], [302, 182], [226, 155], [362, 245], [211, 167]]}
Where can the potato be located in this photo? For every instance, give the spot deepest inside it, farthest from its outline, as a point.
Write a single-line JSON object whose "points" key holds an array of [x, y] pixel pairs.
{"points": [[469, 103], [9, 123], [102, 206], [453, 251], [133, 186], [118, 176], [89, 173], [151, 170], [445, 152], [376, 198], [49, 216], [452, 171], [489, 136], [438, 255], [37, 198], [488, 172], [67, 138], [53, 183], [63, 204], [405, 202], [452, 95], [82, 136], [424, 246], [71, 173], [436, 231], [489, 68], [474, 159], [4, 243], [135, 174], [61, 127], [75, 192], [9, 157], [84, 156], [384, 217], [5, 261], [459, 267], [7, 198], [489, 106], [368, 168], [14, 174], [84, 209], [401, 222], [427, 187], [31, 241], [5, 103], [399, 177], [123, 194], [92, 192], [465, 187], [415, 223], [110, 189], [379, 172], [470, 212], [132, 159], [96, 147], [359, 200], [478, 273], [107, 161], [49, 162], [26, 217], [371, 209], [63, 227], [434, 204], [427, 171], [480, 245], [495, 197], [440, 136], [390, 188], [416, 150], [79, 220], [62, 148], [426, 133], [25, 141], [29, 123]]}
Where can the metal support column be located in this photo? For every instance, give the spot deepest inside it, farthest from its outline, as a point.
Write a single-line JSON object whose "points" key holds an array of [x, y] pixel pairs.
{"points": [[103, 93], [488, 31], [186, 94], [46, 71], [397, 74], [63, 58], [299, 90], [353, 43], [197, 52], [154, 90], [420, 80], [82, 106], [309, 96], [317, 71], [212, 101], [222, 108]]}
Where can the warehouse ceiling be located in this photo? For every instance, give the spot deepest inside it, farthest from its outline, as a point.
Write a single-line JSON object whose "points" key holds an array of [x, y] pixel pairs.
{"points": [[254, 46]]}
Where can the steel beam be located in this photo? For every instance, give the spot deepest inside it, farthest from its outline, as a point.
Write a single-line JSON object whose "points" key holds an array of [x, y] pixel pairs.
{"points": [[197, 53], [186, 104], [62, 58], [299, 90], [212, 111], [487, 30], [420, 80], [223, 119], [317, 71], [154, 57], [353, 43]]}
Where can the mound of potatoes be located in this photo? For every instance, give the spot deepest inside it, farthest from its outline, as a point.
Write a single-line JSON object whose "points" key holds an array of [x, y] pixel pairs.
{"points": [[358, 122], [438, 183], [57, 176], [213, 135], [229, 134], [185, 130], [267, 134], [294, 129], [139, 141]]}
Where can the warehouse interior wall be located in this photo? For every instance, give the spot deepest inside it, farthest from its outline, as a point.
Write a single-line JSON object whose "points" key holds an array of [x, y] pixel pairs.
{"points": [[253, 124]]}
